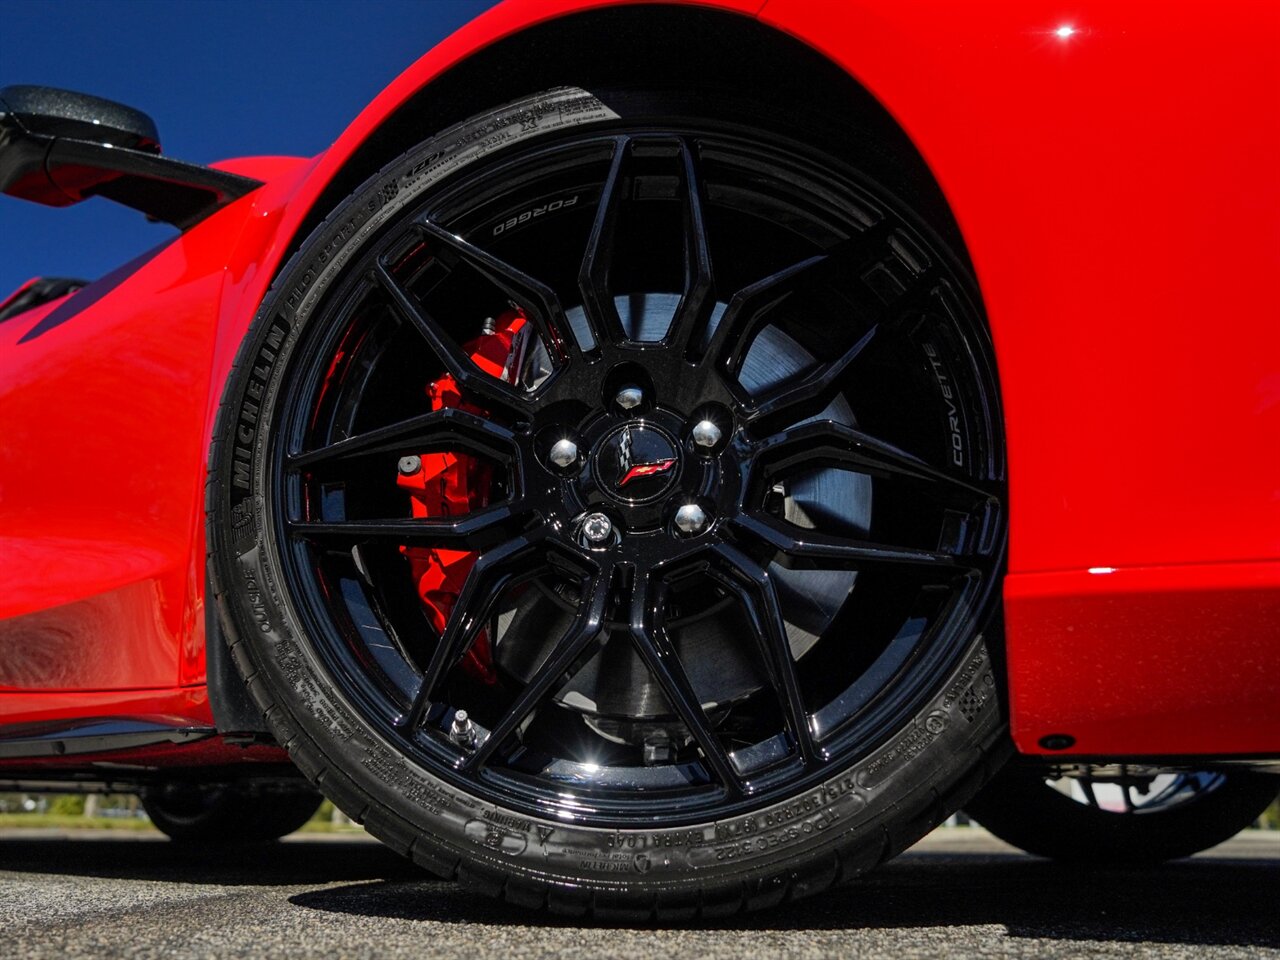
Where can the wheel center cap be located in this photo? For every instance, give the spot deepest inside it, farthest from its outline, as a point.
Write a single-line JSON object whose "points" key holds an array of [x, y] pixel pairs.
{"points": [[637, 463]]}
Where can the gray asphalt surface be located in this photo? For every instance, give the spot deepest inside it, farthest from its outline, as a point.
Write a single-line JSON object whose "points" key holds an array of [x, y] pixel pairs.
{"points": [[958, 894]]}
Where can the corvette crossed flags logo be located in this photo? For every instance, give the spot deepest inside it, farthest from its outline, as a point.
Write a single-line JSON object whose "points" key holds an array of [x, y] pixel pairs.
{"points": [[634, 471]]}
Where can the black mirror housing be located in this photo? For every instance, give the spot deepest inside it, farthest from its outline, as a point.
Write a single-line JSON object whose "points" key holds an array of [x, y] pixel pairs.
{"points": [[49, 112], [32, 119], [58, 147]]}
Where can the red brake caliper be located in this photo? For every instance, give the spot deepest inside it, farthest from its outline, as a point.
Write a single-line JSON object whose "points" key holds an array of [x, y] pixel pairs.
{"points": [[450, 484]]}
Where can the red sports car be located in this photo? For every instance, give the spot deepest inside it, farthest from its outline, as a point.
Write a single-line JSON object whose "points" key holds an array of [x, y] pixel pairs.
{"points": [[665, 458]]}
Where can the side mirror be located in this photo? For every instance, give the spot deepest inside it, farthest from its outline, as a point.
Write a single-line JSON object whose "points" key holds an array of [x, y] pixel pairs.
{"points": [[58, 147]]}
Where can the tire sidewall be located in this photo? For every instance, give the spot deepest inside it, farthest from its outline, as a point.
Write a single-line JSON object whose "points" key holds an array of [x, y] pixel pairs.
{"points": [[886, 800]]}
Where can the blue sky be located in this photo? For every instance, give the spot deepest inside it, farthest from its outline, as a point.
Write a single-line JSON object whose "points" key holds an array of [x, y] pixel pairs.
{"points": [[222, 78]]}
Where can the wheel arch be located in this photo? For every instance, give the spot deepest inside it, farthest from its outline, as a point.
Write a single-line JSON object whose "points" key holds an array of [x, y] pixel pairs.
{"points": [[509, 53], [676, 46]]}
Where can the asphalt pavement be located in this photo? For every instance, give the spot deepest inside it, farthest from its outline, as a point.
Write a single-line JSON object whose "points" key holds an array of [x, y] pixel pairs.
{"points": [[959, 893]]}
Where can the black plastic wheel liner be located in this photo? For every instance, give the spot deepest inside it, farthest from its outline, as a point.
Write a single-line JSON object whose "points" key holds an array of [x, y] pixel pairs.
{"points": [[758, 244]]}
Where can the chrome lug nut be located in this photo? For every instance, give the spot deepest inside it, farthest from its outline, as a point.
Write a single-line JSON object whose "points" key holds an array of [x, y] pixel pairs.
{"points": [[564, 453], [706, 434], [691, 519], [596, 529], [410, 465], [462, 731], [629, 397]]}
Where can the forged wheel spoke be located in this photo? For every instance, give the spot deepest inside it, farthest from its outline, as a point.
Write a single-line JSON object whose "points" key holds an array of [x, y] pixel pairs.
{"points": [[809, 549], [749, 308], [694, 309], [457, 363], [881, 310], [539, 302], [810, 394], [492, 573], [648, 632], [1086, 785], [756, 592], [450, 428], [827, 442], [580, 639], [593, 278], [468, 531]]}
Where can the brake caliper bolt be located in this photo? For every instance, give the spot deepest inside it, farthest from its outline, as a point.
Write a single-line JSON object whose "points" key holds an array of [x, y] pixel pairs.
{"points": [[596, 529], [691, 519], [706, 434], [564, 453], [410, 464], [462, 731], [629, 397]]}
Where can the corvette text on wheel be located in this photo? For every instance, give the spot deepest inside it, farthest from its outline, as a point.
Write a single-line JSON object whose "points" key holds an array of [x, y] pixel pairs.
{"points": [[635, 485]]}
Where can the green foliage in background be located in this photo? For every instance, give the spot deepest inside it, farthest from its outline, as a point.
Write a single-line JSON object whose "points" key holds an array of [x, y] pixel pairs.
{"points": [[1270, 819], [67, 811], [66, 805]]}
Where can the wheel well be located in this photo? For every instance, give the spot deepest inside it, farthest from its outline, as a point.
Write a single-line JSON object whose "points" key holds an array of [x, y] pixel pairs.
{"points": [[652, 47]]}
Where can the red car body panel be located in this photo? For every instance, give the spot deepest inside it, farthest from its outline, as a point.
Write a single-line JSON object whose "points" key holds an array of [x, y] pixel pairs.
{"points": [[1111, 168], [1115, 187], [1182, 658]]}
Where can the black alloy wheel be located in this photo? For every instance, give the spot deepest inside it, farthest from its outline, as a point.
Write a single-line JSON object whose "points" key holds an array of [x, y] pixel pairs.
{"points": [[1120, 814], [229, 814], [743, 518]]}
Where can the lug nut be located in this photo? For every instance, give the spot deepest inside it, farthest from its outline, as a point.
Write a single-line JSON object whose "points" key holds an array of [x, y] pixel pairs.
{"points": [[706, 434], [410, 465], [564, 453], [629, 397], [462, 731], [691, 519], [596, 529]]}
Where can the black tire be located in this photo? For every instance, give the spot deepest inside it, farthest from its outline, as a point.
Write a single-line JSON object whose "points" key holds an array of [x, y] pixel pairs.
{"points": [[1021, 807], [228, 813], [936, 737]]}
